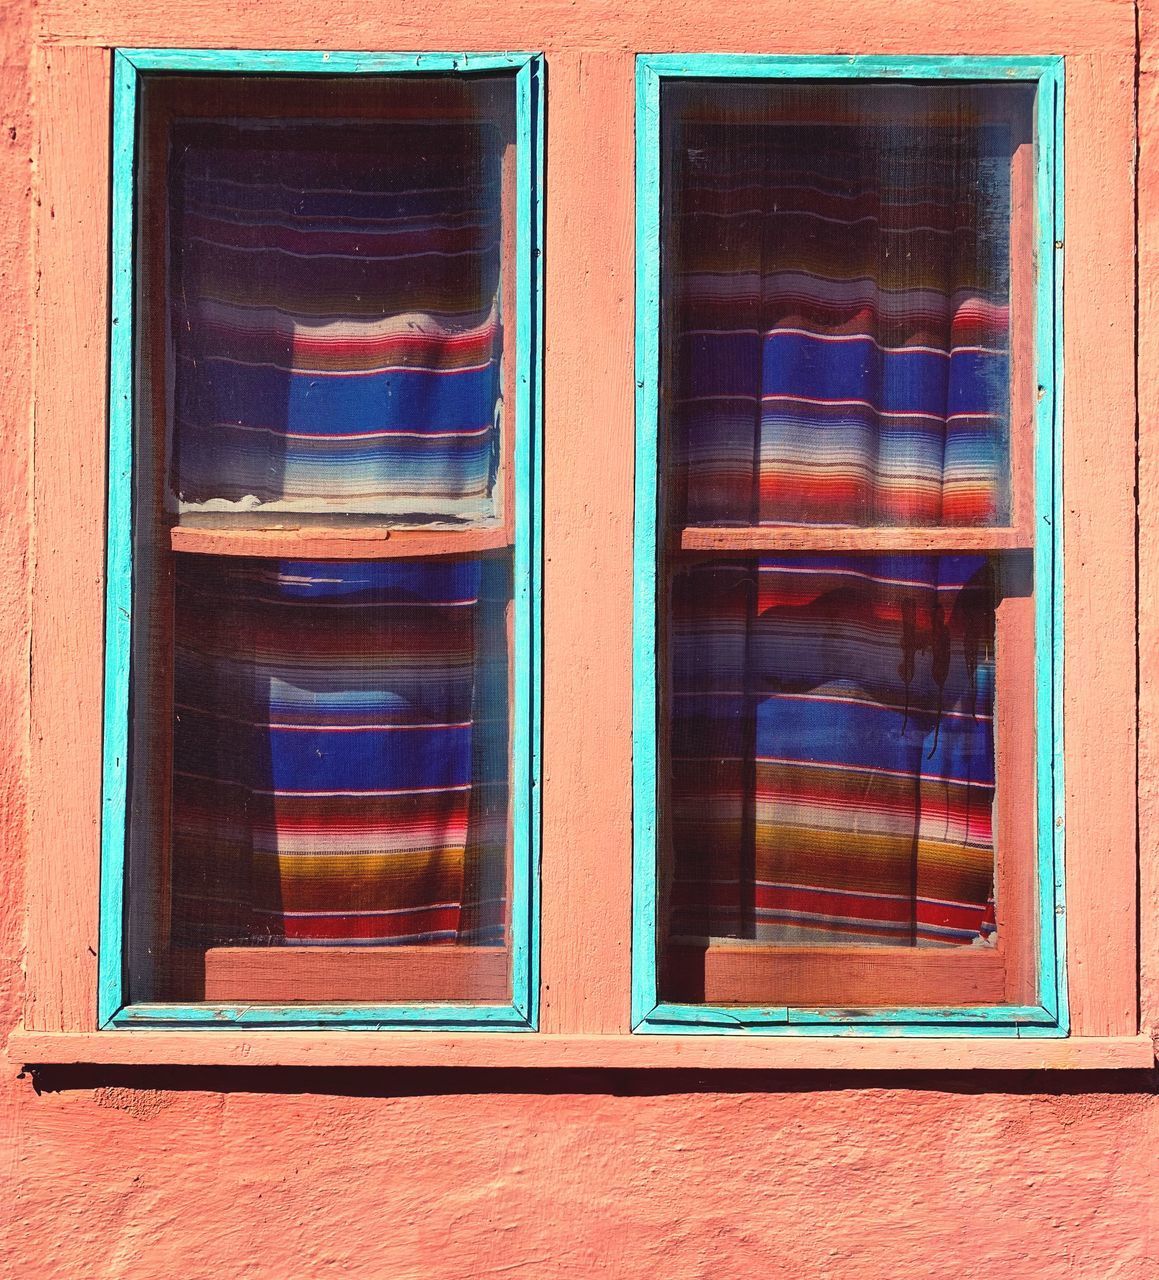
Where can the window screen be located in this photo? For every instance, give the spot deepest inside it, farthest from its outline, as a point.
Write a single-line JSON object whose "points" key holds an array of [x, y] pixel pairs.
{"points": [[846, 636], [321, 753]]}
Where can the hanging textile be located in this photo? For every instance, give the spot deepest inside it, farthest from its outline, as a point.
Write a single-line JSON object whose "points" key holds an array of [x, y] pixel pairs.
{"points": [[340, 746], [335, 318], [839, 313], [832, 749]]}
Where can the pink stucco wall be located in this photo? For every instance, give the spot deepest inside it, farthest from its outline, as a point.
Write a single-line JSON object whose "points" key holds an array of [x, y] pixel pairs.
{"points": [[214, 1173]]}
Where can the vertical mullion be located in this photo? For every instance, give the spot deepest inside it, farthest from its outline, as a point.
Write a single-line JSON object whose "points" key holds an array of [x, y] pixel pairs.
{"points": [[587, 548]]}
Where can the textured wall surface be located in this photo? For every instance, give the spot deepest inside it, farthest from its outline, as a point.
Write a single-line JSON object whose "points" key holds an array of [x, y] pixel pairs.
{"points": [[429, 1174], [548, 1180]]}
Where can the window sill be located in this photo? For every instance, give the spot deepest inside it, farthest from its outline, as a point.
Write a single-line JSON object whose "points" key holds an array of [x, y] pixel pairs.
{"points": [[512, 1050]]}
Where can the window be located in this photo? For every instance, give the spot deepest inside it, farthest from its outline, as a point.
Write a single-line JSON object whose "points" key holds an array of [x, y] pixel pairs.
{"points": [[658, 674], [846, 566], [328, 549]]}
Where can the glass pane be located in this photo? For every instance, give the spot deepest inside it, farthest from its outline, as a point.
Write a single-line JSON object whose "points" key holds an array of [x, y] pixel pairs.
{"points": [[339, 778], [321, 763], [837, 292], [335, 305], [339, 760], [831, 737]]}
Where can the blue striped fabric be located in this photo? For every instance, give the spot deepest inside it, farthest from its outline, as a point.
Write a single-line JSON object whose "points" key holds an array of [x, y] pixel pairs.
{"points": [[832, 749], [340, 751], [335, 316], [839, 291]]}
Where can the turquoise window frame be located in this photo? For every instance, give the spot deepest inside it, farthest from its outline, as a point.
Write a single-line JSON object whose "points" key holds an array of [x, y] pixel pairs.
{"points": [[1049, 1018], [129, 67]]}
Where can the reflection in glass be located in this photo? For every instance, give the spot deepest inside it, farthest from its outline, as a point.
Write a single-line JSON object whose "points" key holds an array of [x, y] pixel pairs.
{"points": [[836, 274], [340, 752], [831, 738], [335, 311]]}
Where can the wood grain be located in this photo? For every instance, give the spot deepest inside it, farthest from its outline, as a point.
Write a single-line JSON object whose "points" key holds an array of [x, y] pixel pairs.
{"points": [[222, 1046], [833, 977], [599, 26], [314, 975], [589, 390], [336, 542], [1099, 590], [1015, 828], [1148, 518], [777, 538], [72, 218]]}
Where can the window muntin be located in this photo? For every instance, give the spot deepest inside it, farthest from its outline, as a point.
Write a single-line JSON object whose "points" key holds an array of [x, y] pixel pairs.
{"points": [[845, 582], [330, 788]]}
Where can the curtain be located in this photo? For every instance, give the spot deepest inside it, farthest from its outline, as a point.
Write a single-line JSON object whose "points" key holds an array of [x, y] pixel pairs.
{"points": [[334, 316], [838, 317], [340, 749], [832, 749]]}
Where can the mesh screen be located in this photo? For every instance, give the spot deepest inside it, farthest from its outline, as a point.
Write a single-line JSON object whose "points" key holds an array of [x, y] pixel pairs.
{"points": [[832, 749], [335, 312], [836, 350], [837, 288], [339, 752], [321, 749]]}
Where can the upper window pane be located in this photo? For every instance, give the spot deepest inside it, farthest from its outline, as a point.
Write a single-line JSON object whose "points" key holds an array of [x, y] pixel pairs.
{"points": [[837, 284], [335, 305]]}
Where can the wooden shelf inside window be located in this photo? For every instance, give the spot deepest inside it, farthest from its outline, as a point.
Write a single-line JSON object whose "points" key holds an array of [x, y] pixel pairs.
{"points": [[325, 975], [335, 542], [738, 973], [714, 540]]}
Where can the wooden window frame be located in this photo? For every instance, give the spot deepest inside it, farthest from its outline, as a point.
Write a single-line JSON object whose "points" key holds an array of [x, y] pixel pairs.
{"points": [[1019, 985], [585, 1010], [232, 980]]}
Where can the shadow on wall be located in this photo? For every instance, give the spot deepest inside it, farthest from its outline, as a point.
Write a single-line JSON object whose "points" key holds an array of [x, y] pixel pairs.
{"points": [[408, 1082]]}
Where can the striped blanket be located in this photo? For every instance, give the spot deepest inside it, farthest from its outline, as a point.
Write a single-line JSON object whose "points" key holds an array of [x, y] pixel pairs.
{"points": [[340, 751], [832, 749], [335, 316], [840, 312]]}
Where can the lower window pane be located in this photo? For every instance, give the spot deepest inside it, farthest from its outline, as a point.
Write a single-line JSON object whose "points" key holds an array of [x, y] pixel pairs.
{"points": [[339, 778], [830, 728]]}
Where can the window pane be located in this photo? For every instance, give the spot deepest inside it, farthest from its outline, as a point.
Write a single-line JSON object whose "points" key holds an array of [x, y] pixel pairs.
{"points": [[340, 742], [846, 720], [832, 750], [335, 304], [837, 293], [321, 758]]}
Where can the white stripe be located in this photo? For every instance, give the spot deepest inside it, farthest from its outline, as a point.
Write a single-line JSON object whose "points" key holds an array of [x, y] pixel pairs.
{"points": [[336, 373], [376, 260]]}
